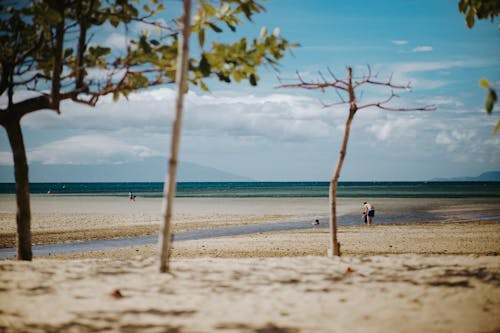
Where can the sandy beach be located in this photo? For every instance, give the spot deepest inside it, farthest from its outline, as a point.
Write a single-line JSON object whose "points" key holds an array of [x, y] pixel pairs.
{"points": [[432, 276], [393, 293]]}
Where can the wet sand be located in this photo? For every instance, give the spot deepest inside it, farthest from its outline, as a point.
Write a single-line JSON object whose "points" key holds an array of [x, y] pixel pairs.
{"points": [[477, 238], [60, 219]]}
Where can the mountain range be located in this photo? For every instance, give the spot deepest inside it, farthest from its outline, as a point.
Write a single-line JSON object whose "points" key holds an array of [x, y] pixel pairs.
{"points": [[490, 176], [154, 170]]}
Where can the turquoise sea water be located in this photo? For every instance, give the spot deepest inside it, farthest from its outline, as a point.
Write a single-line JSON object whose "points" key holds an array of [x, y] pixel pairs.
{"points": [[275, 189]]}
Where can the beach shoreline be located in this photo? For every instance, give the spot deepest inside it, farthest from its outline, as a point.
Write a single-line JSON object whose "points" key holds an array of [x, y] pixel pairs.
{"points": [[84, 218]]}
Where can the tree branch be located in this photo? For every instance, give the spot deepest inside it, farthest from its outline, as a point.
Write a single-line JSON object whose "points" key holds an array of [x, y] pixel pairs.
{"points": [[337, 84], [350, 87], [381, 105], [20, 109]]}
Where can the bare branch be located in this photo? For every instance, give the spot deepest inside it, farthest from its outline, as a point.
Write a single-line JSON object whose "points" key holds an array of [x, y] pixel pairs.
{"points": [[337, 84], [313, 86], [332, 74], [369, 74], [31, 79], [350, 87], [423, 108], [340, 96], [322, 77], [382, 105]]}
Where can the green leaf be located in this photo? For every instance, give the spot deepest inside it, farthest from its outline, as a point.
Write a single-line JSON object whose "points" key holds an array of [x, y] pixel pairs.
{"points": [[263, 32], [208, 9], [201, 37], [491, 98], [469, 19], [462, 6], [223, 78], [53, 17], [497, 128], [245, 7], [225, 8], [145, 45], [68, 52], [252, 79], [204, 66], [484, 83], [215, 28], [230, 26], [203, 86], [114, 20]]}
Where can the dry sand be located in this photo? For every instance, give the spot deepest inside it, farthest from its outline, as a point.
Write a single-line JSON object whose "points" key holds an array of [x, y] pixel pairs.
{"points": [[425, 277], [392, 293]]}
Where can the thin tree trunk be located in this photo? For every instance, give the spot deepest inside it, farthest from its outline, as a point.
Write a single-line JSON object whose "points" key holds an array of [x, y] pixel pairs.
{"points": [[334, 243], [23, 213], [170, 184]]}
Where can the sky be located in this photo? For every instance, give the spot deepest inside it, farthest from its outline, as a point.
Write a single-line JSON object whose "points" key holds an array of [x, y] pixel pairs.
{"points": [[267, 133]]}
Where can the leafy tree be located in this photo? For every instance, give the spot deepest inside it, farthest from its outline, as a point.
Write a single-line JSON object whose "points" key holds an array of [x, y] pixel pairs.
{"points": [[346, 90], [50, 54], [482, 9], [478, 9]]}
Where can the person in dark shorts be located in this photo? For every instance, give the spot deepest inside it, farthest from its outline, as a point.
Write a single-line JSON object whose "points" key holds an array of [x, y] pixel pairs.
{"points": [[368, 212]]}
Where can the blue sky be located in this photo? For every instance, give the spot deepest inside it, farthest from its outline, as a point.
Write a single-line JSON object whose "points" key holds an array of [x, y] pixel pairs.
{"points": [[271, 134]]}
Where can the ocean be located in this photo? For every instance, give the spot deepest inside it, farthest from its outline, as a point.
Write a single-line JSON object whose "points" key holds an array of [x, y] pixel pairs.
{"points": [[273, 189]]}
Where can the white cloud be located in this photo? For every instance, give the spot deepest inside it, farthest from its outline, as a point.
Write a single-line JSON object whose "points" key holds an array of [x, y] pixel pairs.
{"points": [[89, 149], [445, 101], [138, 128], [6, 158], [422, 49], [427, 66], [127, 130], [467, 140], [117, 41], [272, 116], [395, 128], [399, 42]]}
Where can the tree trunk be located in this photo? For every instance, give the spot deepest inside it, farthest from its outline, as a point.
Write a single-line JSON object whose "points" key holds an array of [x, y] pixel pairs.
{"points": [[334, 244], [169, 188], [334, 249], [23, 213]]}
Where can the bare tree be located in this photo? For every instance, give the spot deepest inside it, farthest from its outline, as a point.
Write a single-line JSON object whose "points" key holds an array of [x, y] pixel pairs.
{"points": [[343, 87]]}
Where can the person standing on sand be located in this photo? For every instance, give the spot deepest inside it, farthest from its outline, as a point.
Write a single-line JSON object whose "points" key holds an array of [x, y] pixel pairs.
{"points": [[368, 212]]}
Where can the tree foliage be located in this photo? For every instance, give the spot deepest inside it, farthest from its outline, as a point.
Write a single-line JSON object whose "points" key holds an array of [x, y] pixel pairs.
{"points": [[482, 9], [50, 50], [51, 43]]}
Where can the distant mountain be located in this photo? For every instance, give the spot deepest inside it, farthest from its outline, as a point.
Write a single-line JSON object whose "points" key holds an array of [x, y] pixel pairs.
{"points": [[490, 176], [150, 170]]}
